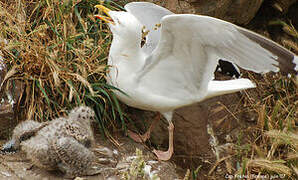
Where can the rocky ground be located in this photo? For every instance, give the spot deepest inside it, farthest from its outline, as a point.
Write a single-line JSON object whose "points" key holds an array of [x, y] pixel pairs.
{"points": [[121, 161]]}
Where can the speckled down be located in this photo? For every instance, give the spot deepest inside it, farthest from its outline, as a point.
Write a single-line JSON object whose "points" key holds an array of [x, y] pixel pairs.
{"points": [[61, 144]]}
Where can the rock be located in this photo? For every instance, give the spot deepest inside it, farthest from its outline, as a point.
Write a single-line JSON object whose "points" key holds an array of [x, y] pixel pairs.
{"points": [[9, 95], [235, 11], [283, 5], [6, 118]]}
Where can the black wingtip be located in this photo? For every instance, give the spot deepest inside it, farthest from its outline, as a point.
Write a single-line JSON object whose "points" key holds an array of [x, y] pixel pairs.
{"points": [[286, 59]]}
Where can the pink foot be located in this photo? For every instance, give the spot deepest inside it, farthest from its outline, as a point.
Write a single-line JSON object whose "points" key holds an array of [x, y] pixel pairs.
{"points": [[137, 137], [143, 138], [163, 155], [166, 155]]}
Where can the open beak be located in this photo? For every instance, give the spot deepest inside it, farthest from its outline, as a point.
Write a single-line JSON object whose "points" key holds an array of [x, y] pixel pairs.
{"points": [[107, 18]]}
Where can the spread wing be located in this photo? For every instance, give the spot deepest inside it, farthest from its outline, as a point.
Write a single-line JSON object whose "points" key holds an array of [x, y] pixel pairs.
{"points": [[149, 15], [183, 63]]}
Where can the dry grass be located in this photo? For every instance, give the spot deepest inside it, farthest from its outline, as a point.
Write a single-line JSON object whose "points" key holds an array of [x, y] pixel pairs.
{"points": [[269, 148], [273, 141], [58, 52]]}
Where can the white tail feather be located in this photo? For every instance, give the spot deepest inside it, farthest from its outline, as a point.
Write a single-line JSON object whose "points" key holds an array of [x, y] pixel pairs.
{"points": [[216, 88]]}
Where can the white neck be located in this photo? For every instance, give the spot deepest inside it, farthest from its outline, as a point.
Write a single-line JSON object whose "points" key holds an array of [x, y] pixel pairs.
{"points": [[126, 58], [126, 52]]}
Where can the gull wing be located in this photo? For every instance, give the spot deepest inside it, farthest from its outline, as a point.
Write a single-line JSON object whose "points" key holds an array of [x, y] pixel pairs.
{"points": [[188, 51], [149, 15]]}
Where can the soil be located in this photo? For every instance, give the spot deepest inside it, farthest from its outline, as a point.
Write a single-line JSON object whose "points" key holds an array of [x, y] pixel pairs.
{"points": [[115, 160]]}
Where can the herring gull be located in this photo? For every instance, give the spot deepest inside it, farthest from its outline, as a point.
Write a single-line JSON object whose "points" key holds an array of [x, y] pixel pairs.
{"points": [[175, 66]]}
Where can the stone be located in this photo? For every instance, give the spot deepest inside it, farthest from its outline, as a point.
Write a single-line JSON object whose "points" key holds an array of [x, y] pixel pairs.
{"points": [[9, 95], [283, 5], [235, 11], [6, 119]]}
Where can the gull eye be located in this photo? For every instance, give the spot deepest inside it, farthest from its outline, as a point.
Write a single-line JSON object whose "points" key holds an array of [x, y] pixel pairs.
{"points": [[118, 21], [144, 35]]}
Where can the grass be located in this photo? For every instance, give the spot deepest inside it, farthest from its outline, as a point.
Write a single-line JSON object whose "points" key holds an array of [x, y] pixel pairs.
{"points": [[137, 170], [275, 148], [274, 138], [268, 147], [57, 51]]}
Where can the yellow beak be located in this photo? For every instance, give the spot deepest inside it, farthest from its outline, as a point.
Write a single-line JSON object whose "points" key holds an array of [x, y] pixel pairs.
{"points": [[106, 19]]}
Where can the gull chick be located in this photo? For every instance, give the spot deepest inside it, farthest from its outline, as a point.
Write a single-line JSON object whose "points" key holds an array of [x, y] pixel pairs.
{"points": [[61, 144]]}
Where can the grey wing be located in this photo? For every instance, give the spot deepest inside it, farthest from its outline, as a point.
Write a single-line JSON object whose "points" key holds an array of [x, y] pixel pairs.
{"points": [[191, 45], [149, 15], [22, 132], [39, 151], [27, 129]]}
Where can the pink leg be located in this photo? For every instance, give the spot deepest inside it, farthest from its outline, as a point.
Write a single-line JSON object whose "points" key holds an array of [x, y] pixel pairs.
{"points": [[143, 138], [166, 155]]}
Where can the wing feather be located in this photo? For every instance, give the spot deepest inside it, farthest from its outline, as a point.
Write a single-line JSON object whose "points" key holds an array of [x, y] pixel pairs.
{"points": [[149, 15], [191, 45]]}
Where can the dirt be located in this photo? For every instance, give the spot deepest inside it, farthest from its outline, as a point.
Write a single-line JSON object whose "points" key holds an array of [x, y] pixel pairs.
{"points": [[116, 160]]}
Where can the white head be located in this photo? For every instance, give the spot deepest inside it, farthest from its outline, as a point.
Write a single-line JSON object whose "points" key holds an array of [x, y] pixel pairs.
{"points": [[122, 24]]}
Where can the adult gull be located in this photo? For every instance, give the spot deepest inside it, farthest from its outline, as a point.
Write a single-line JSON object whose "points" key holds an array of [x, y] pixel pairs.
{"points": [[175, 66]]}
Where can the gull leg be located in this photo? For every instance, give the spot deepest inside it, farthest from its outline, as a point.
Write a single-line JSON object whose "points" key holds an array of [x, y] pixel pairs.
{"points": [[166, 155], [143, 138]]}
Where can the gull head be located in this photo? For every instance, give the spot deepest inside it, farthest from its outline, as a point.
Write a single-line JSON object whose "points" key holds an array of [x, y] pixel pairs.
{"points": [[121, 23]]}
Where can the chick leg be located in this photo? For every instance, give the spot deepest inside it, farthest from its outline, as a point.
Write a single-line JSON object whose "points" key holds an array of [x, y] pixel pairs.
{"points": [[143, 138]]}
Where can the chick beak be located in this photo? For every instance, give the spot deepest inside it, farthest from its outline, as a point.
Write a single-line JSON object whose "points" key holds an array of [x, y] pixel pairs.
{"points": [[107, 18]]}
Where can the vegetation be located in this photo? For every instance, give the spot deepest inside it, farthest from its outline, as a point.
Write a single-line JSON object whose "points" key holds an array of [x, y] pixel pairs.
{"points": [[273, 149], [58, 50], [272, 145], [137, 169]]}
